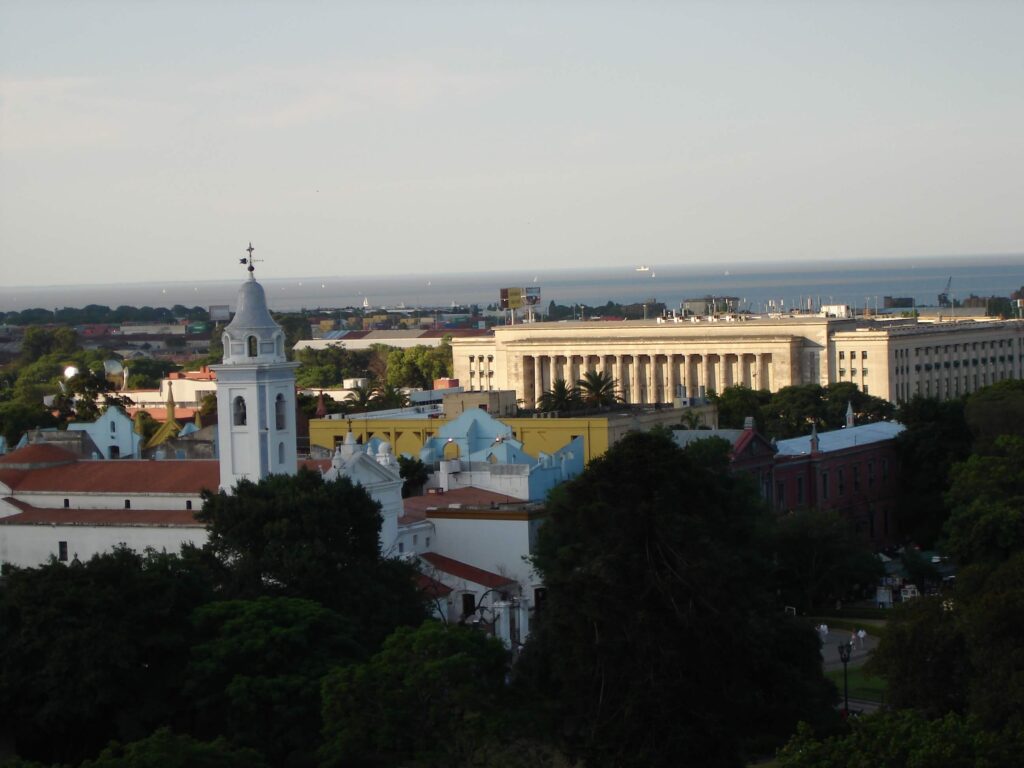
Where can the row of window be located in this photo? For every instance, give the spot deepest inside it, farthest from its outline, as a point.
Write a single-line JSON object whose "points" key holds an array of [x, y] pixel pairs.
{"points": [[127, 503], [853, 355], [966, 347], [780, 486]]}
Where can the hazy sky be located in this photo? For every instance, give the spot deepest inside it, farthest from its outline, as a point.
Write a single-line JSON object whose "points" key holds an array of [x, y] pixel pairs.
{"points": [[153, 140]]}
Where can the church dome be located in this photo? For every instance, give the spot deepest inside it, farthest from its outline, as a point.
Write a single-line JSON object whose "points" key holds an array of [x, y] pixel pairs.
{"points": [[252, 336]]}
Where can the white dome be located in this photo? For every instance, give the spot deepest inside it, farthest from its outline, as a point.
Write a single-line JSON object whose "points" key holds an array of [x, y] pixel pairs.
{"points": [[252, 336]]}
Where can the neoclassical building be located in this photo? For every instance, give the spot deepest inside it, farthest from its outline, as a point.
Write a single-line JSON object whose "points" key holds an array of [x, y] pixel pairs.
{"points": [[660, 361]]}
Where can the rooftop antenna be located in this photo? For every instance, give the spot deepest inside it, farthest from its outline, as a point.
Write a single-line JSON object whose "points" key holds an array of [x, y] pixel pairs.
{"points": [[250, 261]]}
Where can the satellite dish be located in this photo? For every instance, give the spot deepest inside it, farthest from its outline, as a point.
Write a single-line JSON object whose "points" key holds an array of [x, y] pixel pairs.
{"points": [[70, 371]]}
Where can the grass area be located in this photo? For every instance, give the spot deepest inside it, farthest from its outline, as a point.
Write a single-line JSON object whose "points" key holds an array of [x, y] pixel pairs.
{"points": [[862, 686]]}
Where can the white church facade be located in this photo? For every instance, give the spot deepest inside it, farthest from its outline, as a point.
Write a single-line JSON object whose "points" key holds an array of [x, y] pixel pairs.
{"points": [[55, 504]]}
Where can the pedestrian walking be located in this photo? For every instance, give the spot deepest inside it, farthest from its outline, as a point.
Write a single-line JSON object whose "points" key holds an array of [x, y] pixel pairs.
{"points": [[861, 634]]}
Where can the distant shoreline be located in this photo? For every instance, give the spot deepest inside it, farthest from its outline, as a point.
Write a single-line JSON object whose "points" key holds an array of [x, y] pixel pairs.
{"points": [[840, 281]]}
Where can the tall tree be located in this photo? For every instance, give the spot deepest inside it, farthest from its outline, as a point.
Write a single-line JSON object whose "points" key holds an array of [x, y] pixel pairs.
{"points": [[659, 642], [561, 397], [597, 389], [446, 681], [818, 558], [301, 536], [255, 671], [94, 651]]}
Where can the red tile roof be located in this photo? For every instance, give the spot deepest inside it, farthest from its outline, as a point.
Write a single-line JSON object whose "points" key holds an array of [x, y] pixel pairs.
{"points": [[121, 476], [417, 506], [37, 454], [117, 517], [464, 571], [128, 476], [431, 587]]}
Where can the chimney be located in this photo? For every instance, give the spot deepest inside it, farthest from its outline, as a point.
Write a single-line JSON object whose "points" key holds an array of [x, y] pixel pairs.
{"points": [[814, 440], [849, 414], [748, 424]]}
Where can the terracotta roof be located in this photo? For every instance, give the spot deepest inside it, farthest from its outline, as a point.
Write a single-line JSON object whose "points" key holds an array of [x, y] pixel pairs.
{"points": [[127, 517], [417, 506], [37, 454], [464, 571], [121, 476], [431, 587], [159, 412]]}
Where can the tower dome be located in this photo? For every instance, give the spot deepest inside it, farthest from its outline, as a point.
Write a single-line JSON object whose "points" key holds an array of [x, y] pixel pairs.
{"points": [[252, 336]]}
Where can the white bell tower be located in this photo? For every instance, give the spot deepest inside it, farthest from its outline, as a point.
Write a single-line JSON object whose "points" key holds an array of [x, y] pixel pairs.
{"points": [[255, 393]]}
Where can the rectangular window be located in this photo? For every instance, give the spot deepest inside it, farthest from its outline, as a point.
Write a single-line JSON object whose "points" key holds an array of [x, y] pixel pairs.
{"points": [[864, 355], [427, 543], [871, 473], [824, 485], [885, 470], [62, 551], [799, 490], [856, 478], [415, 539], [468, 603], [842, 355], [127, 503], [780, 493], [839, 482], [188, 503], [67, 503]]}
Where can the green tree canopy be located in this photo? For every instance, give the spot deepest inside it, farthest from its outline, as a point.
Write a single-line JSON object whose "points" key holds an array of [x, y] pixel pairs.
{"points": [[819, 558], [905, 738], [935, 438], [419, 366], [995, 411], [94, 651], [428, 698], [659, 642], [561, 397], [597, 389], [737, 402], [987, 502], [255, 671], [301, 536], [167, 750]]}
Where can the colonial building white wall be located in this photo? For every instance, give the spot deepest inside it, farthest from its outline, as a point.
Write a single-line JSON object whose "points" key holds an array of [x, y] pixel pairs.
{"points": [[32, 545], [495, 544]]}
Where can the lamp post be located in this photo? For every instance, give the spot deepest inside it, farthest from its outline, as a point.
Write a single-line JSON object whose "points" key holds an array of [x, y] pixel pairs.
{"points": [[844, 656]]}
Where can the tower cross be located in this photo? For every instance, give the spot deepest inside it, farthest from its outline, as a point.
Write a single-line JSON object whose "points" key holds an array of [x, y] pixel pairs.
{"points": [[250, 261]]}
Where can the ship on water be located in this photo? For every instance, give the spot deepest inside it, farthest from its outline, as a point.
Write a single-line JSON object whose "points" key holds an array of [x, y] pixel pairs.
{"points": [[643, 268]]}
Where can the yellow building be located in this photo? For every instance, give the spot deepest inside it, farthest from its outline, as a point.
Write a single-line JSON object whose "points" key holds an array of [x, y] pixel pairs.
{"points": [[547, 435]]}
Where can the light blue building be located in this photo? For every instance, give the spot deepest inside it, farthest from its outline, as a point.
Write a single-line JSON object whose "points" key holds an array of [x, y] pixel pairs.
{"points": [[113, 434], [477, 450]]}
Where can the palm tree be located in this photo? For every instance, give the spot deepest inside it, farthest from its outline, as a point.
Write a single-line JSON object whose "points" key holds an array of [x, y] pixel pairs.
{"points": [[598, 389], [389, 396], [561, 397], [360, 398]]}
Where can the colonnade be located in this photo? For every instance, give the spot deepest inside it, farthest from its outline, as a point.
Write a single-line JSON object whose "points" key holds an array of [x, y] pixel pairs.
{"points": [[647, 379]]}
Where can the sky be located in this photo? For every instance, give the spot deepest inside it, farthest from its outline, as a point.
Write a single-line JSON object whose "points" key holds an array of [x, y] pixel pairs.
{"points": [[154, 140]]}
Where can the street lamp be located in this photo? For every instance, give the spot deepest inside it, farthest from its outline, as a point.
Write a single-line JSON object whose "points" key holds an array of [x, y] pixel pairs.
{"points": [[844, 656]]}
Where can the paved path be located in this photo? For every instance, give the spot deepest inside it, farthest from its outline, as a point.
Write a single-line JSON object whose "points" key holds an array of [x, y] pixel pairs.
{"points": [[835, 637]]}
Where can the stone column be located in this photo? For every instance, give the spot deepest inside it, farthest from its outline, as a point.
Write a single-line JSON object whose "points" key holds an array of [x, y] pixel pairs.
{"points": [[673, 377], [538, 382], [636, 393]]}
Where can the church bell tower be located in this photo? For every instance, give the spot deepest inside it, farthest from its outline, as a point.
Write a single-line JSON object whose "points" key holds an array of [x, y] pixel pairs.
{"points": [[255, 392]]}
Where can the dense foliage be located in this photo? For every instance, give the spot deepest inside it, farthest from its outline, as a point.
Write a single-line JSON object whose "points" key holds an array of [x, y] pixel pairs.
{"points": [[794, 410], [660, 642]]}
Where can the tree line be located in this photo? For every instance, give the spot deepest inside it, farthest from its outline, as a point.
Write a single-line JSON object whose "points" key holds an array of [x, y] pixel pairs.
{"points": [[287, 640], [952, 660]]}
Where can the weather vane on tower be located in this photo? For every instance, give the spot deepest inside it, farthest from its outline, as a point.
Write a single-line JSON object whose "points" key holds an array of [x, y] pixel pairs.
{"points": [[250, 261]]}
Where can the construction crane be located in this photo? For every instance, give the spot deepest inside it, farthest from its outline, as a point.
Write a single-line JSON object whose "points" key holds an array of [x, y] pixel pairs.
{"points": [[944, 300]]}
